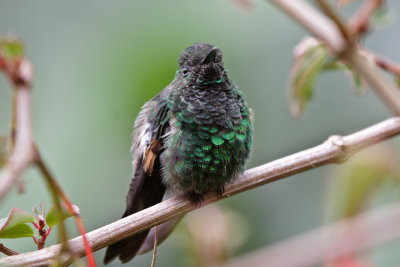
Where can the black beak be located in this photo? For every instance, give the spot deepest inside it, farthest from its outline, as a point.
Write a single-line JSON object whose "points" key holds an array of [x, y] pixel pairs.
{"points": [[210, 57]]}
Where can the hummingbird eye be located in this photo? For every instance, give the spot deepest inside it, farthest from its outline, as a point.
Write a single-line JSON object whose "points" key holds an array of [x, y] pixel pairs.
{"points": [[185, 71]]}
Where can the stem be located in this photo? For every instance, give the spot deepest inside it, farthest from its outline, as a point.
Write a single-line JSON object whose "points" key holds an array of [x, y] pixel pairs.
{"points": [[359, 22], [56, 199], [153, 261], [7, 251], [336, 18]]}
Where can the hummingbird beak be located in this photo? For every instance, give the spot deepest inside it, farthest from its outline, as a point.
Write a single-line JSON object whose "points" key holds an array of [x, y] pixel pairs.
{"points": [[210, 57]]}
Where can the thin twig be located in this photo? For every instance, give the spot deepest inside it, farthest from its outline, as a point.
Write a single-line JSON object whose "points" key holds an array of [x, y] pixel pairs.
{"points": [[25, 151], [336, 18], [153, 261], [314, 21], [7, 251], [387, 65], [55, 187], [56, 199], [335, 150], [359, 22]]}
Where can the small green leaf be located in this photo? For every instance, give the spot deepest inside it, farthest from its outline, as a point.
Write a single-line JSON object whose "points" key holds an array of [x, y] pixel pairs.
{"points": [[14, 226], [11, 47], [52, 218], [305, 70], [360, 86]]}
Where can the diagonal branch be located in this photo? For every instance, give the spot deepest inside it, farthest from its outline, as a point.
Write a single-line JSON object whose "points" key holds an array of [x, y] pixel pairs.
{"points": [[335, 150]]}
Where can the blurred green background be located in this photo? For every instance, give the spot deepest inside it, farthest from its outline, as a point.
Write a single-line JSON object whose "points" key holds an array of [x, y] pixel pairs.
{"points": [[97, 62]]}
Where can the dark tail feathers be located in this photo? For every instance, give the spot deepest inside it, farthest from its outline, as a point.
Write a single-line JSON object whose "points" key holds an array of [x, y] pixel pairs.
{"points": [[145, 190]]}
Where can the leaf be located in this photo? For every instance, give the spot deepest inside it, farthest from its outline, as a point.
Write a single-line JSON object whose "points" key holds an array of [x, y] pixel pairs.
{"points": [[360, 85], [11, 47], [310, 58], [52, 218], [14, 226]]}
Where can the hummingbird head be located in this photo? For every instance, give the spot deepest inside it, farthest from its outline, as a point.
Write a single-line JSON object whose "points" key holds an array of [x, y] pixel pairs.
{"points": [[202, 64]]}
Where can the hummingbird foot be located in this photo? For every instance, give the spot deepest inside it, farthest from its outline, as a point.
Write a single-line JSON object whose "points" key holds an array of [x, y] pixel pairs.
{"points": [[220, 191], [197, 199]]}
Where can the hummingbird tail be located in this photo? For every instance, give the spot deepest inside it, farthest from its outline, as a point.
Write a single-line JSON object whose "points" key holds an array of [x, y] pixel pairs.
{"points": [[146, 189], [163, 231]]}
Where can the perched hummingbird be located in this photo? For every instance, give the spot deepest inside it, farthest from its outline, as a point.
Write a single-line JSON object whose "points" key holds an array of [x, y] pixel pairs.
{"points": [[193, 137]]}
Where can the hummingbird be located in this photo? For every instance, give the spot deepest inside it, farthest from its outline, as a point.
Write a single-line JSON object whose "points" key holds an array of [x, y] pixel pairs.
{"points": [[193, 137]]}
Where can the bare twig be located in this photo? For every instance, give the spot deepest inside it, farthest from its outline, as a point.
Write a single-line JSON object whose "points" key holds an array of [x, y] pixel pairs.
{"points": [[317, 23], [387, 65], [326, 30], [359, 22], [334, 16], [335, 150], [7, 251], [153, 261], [329, 242], [25, 150]]}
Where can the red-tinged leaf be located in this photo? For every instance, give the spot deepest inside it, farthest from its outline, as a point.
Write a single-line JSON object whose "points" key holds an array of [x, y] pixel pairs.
{"points": [[310, 58], [14, 226], [52, 218]]}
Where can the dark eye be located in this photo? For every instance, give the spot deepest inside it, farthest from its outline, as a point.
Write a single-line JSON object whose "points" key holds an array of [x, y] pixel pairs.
{"points": [[185, 71]]}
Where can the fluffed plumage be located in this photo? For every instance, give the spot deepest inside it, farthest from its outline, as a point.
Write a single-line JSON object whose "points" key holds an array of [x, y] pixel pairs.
{"points": [[193, 137]]}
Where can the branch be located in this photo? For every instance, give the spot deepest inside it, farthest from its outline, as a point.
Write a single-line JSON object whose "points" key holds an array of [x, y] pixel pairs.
{"points": [[335, 150], [7, 251], [329, 242], [359, 22], [25, 151], [326, 30]]}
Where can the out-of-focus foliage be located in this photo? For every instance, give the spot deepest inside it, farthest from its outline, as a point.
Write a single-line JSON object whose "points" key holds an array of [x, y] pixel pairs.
{"points": [[11, 47], [52, 218], [15, 224], [355, 183], [213, 234], [310, 58]]}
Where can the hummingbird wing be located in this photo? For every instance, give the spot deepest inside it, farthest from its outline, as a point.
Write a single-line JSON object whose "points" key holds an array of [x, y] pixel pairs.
{"points": [[146, 188]]}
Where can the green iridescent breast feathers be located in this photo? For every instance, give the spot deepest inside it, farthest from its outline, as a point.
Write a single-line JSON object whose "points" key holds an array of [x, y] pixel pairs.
{"points": [[210, 134], [194, 137]]}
